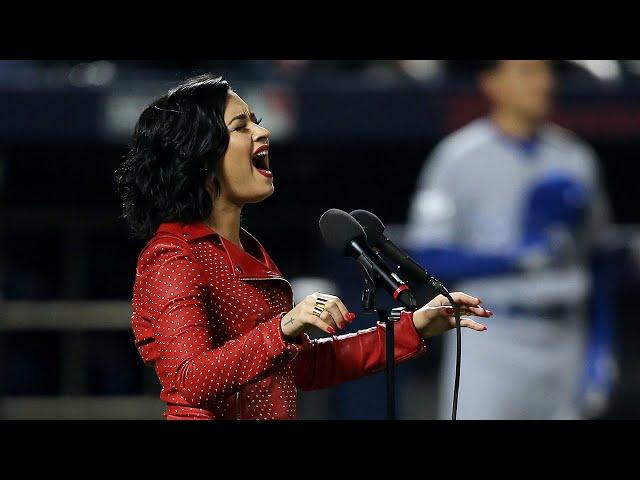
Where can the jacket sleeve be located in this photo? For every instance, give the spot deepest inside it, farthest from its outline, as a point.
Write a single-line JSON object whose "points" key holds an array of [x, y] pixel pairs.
{"points": [[330, 361], [200, 370]]}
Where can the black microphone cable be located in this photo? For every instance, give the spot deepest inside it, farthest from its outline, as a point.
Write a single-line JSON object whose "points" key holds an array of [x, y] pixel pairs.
{"points": [[456, 312], [438, 287]]}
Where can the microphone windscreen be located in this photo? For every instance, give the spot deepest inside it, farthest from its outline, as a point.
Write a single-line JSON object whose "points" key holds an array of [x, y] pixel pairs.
{"points": [[372, 225], [338, 228]]}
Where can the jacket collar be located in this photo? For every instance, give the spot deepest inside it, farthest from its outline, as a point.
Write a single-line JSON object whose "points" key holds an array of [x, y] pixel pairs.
{"points": [[243, 264]]}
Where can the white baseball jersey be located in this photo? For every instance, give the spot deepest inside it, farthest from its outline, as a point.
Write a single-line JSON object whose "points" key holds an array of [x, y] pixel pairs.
{"points": [[471, 195]]}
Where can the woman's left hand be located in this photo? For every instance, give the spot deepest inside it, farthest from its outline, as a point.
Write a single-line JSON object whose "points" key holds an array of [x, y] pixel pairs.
{"points": [[436, 317]]}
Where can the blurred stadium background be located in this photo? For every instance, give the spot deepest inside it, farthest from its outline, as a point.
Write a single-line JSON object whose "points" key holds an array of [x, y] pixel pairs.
{"points": [[342, 133]]}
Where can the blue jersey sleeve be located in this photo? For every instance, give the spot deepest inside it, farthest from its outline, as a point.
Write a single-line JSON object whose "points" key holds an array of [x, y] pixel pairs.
{"points": [[450, 264]]}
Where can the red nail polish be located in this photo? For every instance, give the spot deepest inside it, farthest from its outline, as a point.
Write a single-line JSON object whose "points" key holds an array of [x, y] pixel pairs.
{"points": [[351, 316], [449, 310], [331, 330]]}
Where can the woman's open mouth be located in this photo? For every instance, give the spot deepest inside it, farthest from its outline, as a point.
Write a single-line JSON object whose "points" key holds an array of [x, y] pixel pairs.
{"points": [[260, 160]]}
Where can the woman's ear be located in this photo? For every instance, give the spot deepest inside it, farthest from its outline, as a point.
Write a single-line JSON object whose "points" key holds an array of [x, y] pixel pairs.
{"points": [[211, 188], [210, 184]]}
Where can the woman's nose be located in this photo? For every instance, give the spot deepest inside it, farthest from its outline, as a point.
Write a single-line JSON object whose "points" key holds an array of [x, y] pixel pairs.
{"points": [[261, 133]]}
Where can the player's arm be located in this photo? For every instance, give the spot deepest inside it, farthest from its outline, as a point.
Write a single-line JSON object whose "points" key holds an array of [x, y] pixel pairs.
{"points": [[601, 370], [453, 263]]}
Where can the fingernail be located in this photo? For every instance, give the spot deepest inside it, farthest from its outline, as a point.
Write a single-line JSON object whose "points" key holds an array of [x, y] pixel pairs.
{"points": [[331, 330], [351, 316], [479, 301], [449, 310], [485, 329], [490, 312]]}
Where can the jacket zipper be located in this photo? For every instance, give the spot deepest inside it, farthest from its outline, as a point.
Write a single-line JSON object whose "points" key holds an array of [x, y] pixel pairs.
{"points": [[238, 403], [293, 300]]}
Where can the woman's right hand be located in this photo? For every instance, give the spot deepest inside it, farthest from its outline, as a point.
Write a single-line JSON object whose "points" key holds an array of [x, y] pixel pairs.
{"points": [[436, 317], [301, 318]]}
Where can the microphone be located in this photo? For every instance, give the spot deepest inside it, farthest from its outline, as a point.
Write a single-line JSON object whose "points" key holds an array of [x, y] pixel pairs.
{"points": [[342, 232], [374, 229]]}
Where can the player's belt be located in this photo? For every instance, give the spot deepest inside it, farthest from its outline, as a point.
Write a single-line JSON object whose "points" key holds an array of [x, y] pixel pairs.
{"points": [[553, 312]]}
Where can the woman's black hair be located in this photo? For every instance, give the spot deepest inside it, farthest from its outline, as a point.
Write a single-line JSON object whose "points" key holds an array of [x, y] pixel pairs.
{"points": [[177, 144]]}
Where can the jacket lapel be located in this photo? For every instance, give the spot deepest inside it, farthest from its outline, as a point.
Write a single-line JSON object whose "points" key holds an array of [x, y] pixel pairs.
{"points": [[244, 265]]}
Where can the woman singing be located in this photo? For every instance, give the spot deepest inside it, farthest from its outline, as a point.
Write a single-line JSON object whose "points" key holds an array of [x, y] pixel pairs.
{"points": [[211, 311]]}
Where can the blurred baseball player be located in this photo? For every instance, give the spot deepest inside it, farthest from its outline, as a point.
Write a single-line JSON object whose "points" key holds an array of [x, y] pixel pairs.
{"points": [[512, 203]]}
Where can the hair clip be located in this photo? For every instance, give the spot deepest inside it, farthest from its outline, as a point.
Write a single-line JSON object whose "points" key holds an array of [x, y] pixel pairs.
{"points": [[166, 109]]}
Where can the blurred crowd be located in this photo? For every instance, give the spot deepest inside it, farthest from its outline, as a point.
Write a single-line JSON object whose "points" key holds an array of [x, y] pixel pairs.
{"points": [[91, 72]]}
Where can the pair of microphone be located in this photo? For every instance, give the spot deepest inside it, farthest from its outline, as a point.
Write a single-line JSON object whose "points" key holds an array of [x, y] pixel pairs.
{"points": [[360, 234]]}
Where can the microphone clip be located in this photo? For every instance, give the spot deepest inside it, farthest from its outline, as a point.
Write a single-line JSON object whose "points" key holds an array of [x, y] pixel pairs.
{"points": [[370, 287], [395, 313]]}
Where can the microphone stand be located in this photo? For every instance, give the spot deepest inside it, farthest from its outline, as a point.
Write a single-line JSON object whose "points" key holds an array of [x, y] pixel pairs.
{"points": [[368, 305]]}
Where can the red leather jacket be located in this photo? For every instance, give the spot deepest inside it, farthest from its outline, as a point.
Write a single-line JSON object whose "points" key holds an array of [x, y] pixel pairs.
{"points": [[206, 315]]}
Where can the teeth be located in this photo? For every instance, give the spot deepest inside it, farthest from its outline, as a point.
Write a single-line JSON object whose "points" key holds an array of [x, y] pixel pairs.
{"points": [[264, 153]]}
